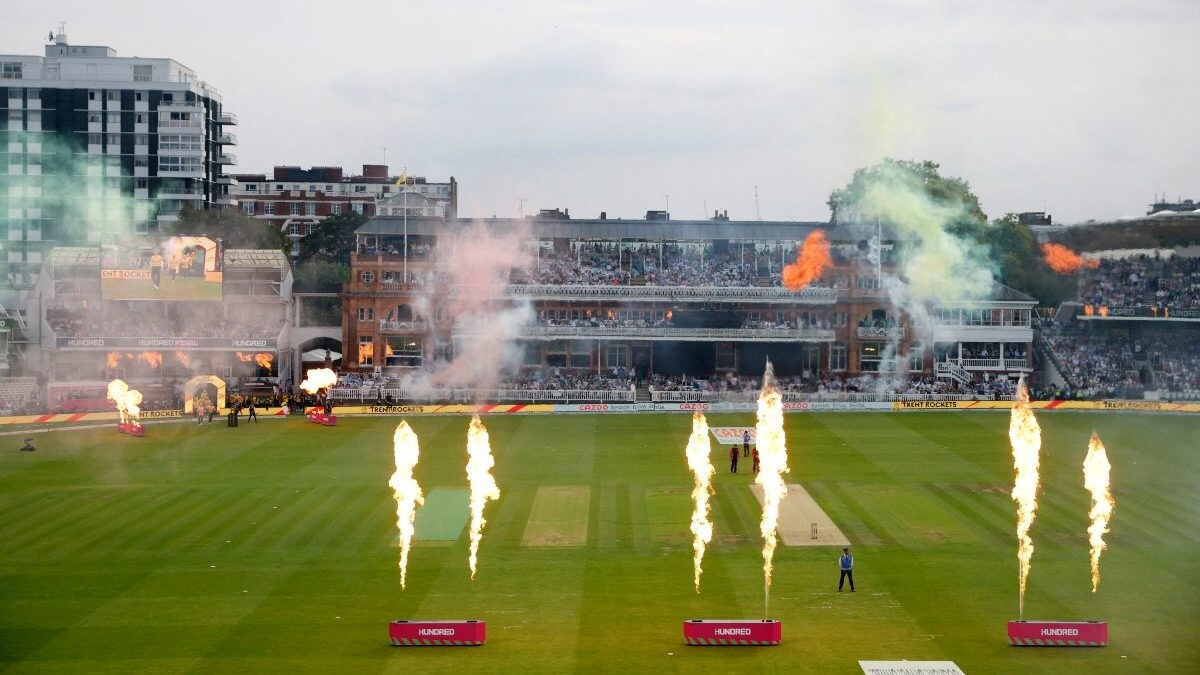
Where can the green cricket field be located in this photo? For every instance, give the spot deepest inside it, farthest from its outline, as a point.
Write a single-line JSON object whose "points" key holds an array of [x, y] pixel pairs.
{"points": [[272, 547]]}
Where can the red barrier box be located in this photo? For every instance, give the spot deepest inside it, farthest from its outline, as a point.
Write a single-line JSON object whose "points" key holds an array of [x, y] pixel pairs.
{"points": [[322, 418], [131, 429], [437, 633], [1058, 633], [732, 632]]}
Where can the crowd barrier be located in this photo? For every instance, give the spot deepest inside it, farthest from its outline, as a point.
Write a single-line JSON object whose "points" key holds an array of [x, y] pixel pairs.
{"points": [[643, 407]]}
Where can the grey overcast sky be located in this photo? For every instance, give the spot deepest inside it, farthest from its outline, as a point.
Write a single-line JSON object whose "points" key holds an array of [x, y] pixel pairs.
{"points": [[1085, 107]]}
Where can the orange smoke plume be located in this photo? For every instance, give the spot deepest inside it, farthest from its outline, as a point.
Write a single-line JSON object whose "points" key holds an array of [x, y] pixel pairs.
{"points": [[812, 259], [114, 358], [245, 358], [183, 359], [264, 360], [1065, 261]]}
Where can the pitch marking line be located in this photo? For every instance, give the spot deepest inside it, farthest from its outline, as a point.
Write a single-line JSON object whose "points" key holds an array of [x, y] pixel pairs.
{"points": [[559, 516]]}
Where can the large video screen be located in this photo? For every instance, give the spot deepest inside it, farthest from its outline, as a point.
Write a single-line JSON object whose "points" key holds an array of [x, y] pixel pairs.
{"points": [[179, 268]]}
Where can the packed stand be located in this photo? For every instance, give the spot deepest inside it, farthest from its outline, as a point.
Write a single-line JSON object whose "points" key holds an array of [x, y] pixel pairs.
{"points": [[1095, 366], [603, 264], [1142, 281]]}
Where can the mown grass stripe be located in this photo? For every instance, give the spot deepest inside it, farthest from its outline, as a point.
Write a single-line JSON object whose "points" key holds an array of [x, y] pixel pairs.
{"points": [[140, 533], [855, 530], [842, 492], [639, 517], [276, 520], [77, 509], [302, 530], [86, 534], [623, 516], [327, 529], [217, 530], [169, 532], [969, 514]]}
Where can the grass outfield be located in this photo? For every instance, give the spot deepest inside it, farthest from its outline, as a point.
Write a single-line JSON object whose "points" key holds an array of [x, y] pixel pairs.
{"points": [[271, 547]]}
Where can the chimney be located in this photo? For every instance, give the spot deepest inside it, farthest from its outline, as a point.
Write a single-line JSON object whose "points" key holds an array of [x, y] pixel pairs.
{"points": [[604, 215]]}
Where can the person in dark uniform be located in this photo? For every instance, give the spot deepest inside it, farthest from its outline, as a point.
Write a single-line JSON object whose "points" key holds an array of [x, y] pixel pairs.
{"points": [[328, 407], [253, 416], [733, 459], [846, 563], [745, 444]]}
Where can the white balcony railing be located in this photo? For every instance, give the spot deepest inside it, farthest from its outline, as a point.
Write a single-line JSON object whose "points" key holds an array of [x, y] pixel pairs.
{"points": [[673, 333], [402, 326], [880, 332], [811, 296]]}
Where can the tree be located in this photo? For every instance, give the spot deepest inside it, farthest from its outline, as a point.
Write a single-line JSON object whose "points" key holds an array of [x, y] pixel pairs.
{"points": [[1020, 263], [232, 227], [946, 203], [941, 190], [332, 240], [320, 275]]}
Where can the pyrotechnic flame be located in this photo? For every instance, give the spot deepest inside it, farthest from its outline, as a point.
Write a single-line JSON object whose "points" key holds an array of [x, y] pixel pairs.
{"points": [[1096, 479], [1026, 438], [699, 460], [318, 379], [245, 358], [264, 360], [127, 401], [811, 260], [153, 359], [183, 359], [1065, 261], [772, 455], [483, 484], [114, 358], [407, 491]]}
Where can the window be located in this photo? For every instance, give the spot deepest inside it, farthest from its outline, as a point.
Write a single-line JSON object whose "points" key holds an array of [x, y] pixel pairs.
{"points": [[141, 139], [335, 209], [269, 208], [139, 118], [916, 358], [114, 119], [366, 313], [141, 183], [617, 357], [295, 208], [366, 350], [837, 357], [143, 73], [94, 118], [139, 96], [114, 139], [168, 164], [10, 70], [360, 188], [93, 95], [367, 277], [310, 208], [358, 207], [294, 229], [93, 139], [114, 95], [248, 207]]}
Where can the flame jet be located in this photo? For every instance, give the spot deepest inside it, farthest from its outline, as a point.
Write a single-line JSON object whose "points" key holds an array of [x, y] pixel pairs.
{"points": [[700, 462], [1096, 479], [318, 379], [407, 491], [772, 454], [1026, 438], [127, 400], [483, 484]]}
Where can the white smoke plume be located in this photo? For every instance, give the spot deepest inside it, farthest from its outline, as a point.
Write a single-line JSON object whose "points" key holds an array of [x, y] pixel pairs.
{"points": [[468, 281]]}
